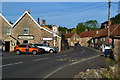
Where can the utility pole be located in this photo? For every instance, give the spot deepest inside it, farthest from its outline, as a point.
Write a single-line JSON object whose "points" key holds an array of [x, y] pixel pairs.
{"points": [[109, 20]]}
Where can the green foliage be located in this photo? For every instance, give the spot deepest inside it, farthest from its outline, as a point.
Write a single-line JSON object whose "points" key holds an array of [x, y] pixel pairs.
{"points": [[80, 28], [116, 19], [91, 24], [50, 26]]}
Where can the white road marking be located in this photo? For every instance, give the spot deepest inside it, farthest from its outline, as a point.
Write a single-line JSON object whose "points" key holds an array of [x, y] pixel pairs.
{"points": [[11, 64], [6, 65], [83, 60], [81, 52], [18, 63], [40, 59], [54, 72]]}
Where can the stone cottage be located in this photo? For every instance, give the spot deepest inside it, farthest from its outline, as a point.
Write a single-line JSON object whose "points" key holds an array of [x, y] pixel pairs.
{"points": [[27, 30], [6, 34], [72, 38]]}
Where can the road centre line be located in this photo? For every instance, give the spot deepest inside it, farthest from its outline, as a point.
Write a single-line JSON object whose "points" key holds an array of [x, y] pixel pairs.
{"points": [[70, 65], [18, 63], [40, 59], [83, 60], [11, 64]]}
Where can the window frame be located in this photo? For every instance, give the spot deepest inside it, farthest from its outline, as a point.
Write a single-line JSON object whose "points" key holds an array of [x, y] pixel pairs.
{"points": [[8, 32]]}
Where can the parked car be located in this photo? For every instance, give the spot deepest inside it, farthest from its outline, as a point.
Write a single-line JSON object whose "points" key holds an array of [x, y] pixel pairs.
{"points": [[46, 48], [27, 48], [42, 50]]}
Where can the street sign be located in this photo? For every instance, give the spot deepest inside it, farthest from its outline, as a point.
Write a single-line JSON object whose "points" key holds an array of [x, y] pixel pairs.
{"points": [[110, 40], [46, 39], [55, 29]]}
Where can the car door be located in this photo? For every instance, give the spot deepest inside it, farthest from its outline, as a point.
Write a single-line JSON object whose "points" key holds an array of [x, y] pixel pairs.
{"points": [[30, 48], [22, 48]]}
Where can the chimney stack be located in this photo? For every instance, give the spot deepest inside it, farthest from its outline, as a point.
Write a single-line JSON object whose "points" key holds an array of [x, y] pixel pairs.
{"points": [[39, 21], [28, 11], [43, 22]]}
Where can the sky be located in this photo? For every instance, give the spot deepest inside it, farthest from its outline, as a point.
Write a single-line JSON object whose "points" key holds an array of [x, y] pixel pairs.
{"points": [[58, 0], [65, 14]]}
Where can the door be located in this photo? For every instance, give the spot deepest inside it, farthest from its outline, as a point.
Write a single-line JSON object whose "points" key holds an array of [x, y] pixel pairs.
{"points": [[7, 46], [25, 41]]}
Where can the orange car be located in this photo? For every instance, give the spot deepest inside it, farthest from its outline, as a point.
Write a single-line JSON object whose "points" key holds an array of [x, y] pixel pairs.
{"points": [[26, 48]]}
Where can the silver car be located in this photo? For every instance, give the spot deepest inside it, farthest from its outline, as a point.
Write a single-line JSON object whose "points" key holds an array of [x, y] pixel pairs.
{"points": [[46, 48]]}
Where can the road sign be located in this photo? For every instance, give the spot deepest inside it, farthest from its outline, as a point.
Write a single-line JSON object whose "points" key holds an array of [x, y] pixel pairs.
{"points": [[110, 40]]}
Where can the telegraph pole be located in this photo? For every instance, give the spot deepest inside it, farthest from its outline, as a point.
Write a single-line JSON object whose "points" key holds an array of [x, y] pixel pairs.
{"points": [[109, 20]]}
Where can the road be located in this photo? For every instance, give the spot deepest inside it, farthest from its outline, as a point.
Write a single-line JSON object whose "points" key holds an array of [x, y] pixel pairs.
{"points": [[59, 65]]}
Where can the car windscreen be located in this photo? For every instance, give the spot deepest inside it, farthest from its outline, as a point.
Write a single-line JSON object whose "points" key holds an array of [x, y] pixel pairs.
{"points": [[34, 46]]}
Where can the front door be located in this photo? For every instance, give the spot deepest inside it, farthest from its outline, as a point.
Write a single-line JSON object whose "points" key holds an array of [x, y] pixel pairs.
{"points": [[7, 46]]}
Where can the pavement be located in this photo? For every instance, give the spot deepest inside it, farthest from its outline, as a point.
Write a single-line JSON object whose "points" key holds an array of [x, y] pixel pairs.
{"points": [[46, 66]]}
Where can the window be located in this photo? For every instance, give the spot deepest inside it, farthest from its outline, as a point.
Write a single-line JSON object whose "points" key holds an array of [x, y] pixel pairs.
{"points": [[22, 45], [8, 32], [26, 31], [39, 44]]}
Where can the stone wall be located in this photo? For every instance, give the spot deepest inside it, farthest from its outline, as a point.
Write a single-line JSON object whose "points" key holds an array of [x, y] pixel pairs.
{"points": [[116, 49], [99, 74], [34, 30]]}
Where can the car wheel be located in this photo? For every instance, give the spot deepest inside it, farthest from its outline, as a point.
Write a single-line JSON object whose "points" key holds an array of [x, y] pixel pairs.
{"points": [[34, 52], [18, 52], [51, 51]]}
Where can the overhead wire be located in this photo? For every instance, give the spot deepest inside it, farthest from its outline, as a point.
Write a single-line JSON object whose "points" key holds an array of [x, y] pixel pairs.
{"points": [[75, 12]]}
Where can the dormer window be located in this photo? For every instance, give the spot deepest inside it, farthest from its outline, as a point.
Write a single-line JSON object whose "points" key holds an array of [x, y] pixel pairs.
{"points": [[26, 31]]}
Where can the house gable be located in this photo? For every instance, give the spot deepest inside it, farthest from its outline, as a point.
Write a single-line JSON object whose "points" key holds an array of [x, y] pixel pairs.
{"points": [[75, 37], [4, 26], [41, 28]]}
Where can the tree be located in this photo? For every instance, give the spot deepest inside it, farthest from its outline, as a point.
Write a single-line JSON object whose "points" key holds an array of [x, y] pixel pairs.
{"points": [[116, 19], [80, 28], [91, 24]]}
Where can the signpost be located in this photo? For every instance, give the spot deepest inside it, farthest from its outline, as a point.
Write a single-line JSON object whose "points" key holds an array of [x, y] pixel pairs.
{"points": [[55, 30], [46, 39], [110, 40]]}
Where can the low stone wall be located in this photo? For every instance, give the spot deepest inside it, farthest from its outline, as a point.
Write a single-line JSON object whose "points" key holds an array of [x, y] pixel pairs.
{"points": [[102, 73], [116, 49]]}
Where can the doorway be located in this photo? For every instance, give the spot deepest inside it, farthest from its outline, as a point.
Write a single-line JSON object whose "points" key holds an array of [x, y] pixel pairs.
{"points": [[25, 41], [7, 46]]}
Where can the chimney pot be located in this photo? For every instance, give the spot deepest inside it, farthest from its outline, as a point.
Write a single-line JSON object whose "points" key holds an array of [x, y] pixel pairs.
{"points": [[38, 20], [43, 22], [28, 11]]}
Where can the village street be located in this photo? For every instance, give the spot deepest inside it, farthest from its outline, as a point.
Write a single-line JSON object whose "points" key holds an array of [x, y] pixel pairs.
{"points": [[66, 64]]}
